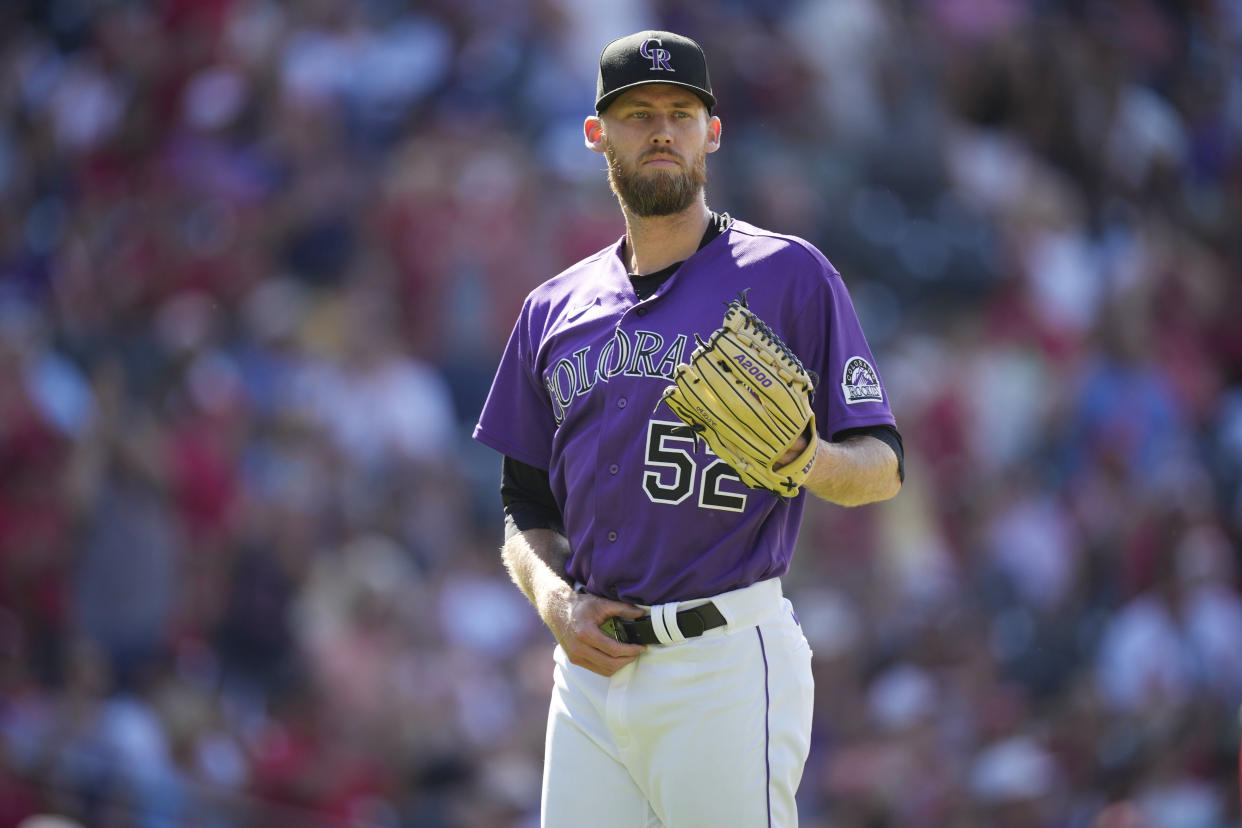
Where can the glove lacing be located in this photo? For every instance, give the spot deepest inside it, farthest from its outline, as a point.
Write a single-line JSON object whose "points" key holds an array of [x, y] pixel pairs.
{"points": [[768, 336]]}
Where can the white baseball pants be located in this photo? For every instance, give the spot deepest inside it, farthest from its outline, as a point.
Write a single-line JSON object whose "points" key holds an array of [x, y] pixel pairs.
{"points": [[708, 731]]}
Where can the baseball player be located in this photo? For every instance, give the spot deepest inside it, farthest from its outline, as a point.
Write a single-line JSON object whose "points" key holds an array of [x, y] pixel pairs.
{"points": [[649, 514]]}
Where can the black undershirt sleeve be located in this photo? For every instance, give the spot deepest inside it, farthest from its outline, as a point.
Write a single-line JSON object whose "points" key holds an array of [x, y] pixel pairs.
{"points": [[526, 492], [885, 434]]}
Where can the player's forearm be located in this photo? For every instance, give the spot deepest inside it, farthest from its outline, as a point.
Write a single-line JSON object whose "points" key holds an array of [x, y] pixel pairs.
{"points": [[535, 558], [853, 472]]}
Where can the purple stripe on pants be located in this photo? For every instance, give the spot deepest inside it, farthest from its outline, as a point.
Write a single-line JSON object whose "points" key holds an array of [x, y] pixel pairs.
{"points": [[767, 735]]}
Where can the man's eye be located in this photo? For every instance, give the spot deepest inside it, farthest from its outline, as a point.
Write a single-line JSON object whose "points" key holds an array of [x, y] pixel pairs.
{"points": [[638, 114]]}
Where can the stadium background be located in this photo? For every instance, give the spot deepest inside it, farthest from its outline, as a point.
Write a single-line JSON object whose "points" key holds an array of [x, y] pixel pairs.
{"points": [[257, 261]]}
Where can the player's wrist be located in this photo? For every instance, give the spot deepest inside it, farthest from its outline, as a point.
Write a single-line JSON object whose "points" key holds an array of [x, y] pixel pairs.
{"points": [[822, 463], [555, 605]]}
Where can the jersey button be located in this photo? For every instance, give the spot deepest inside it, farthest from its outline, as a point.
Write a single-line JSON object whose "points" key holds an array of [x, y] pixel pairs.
{"points": [[614, 468], [612, 536], [621, 403], [641, 311]]}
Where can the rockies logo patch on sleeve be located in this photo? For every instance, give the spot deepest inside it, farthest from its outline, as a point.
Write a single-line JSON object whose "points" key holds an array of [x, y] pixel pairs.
{"points": [[860, 383]]}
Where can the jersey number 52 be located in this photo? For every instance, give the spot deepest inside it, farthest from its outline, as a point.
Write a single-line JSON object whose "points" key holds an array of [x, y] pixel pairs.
{"points": [[671, 471]]}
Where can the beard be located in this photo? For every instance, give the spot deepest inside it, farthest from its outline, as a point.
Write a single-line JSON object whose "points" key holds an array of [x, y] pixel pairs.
{"points": [[659, 192]]}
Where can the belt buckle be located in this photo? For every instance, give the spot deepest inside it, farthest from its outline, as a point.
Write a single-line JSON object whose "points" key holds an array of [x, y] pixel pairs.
{"points": [[618, 629]]}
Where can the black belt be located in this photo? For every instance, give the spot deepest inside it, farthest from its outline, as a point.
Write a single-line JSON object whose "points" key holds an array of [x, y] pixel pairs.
{"points": [[692, 622]]}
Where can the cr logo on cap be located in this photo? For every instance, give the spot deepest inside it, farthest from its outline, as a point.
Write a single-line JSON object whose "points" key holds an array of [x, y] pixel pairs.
{"points": [[659, 57]]}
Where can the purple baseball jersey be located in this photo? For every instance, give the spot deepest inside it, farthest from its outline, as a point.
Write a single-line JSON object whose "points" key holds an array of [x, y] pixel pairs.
{"points": [[650, 516]]}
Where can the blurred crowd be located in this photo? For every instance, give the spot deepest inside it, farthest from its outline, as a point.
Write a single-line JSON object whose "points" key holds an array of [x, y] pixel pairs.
{"points": [[257, 263]]}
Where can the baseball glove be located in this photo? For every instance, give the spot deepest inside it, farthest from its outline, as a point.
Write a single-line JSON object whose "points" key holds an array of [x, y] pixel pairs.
{"points": [[746, 393]]}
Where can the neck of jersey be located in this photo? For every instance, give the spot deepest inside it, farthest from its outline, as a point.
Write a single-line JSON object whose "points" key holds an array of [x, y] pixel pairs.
{"points": [[648, 284]]}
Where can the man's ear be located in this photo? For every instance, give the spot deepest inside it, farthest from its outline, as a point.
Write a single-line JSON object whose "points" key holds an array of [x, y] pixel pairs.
{"points": [[593, 130], [713, 134]]}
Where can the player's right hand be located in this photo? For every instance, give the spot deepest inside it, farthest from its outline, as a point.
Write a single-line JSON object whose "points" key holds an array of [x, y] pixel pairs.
{"points": [[585, 644]]}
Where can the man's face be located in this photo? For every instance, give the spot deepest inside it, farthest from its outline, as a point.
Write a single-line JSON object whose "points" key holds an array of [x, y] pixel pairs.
{"points": [[656, 139]]}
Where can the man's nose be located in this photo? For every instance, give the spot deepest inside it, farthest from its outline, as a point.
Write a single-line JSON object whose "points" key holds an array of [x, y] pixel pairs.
{"points": [[661, 133]]}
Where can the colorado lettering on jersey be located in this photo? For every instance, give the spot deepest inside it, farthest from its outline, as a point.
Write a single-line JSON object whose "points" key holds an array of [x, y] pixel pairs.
{"points": [[644, 355]]}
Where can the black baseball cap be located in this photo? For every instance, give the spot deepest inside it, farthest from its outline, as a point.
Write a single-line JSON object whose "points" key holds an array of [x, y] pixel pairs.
{"points": [[652, 57]]}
